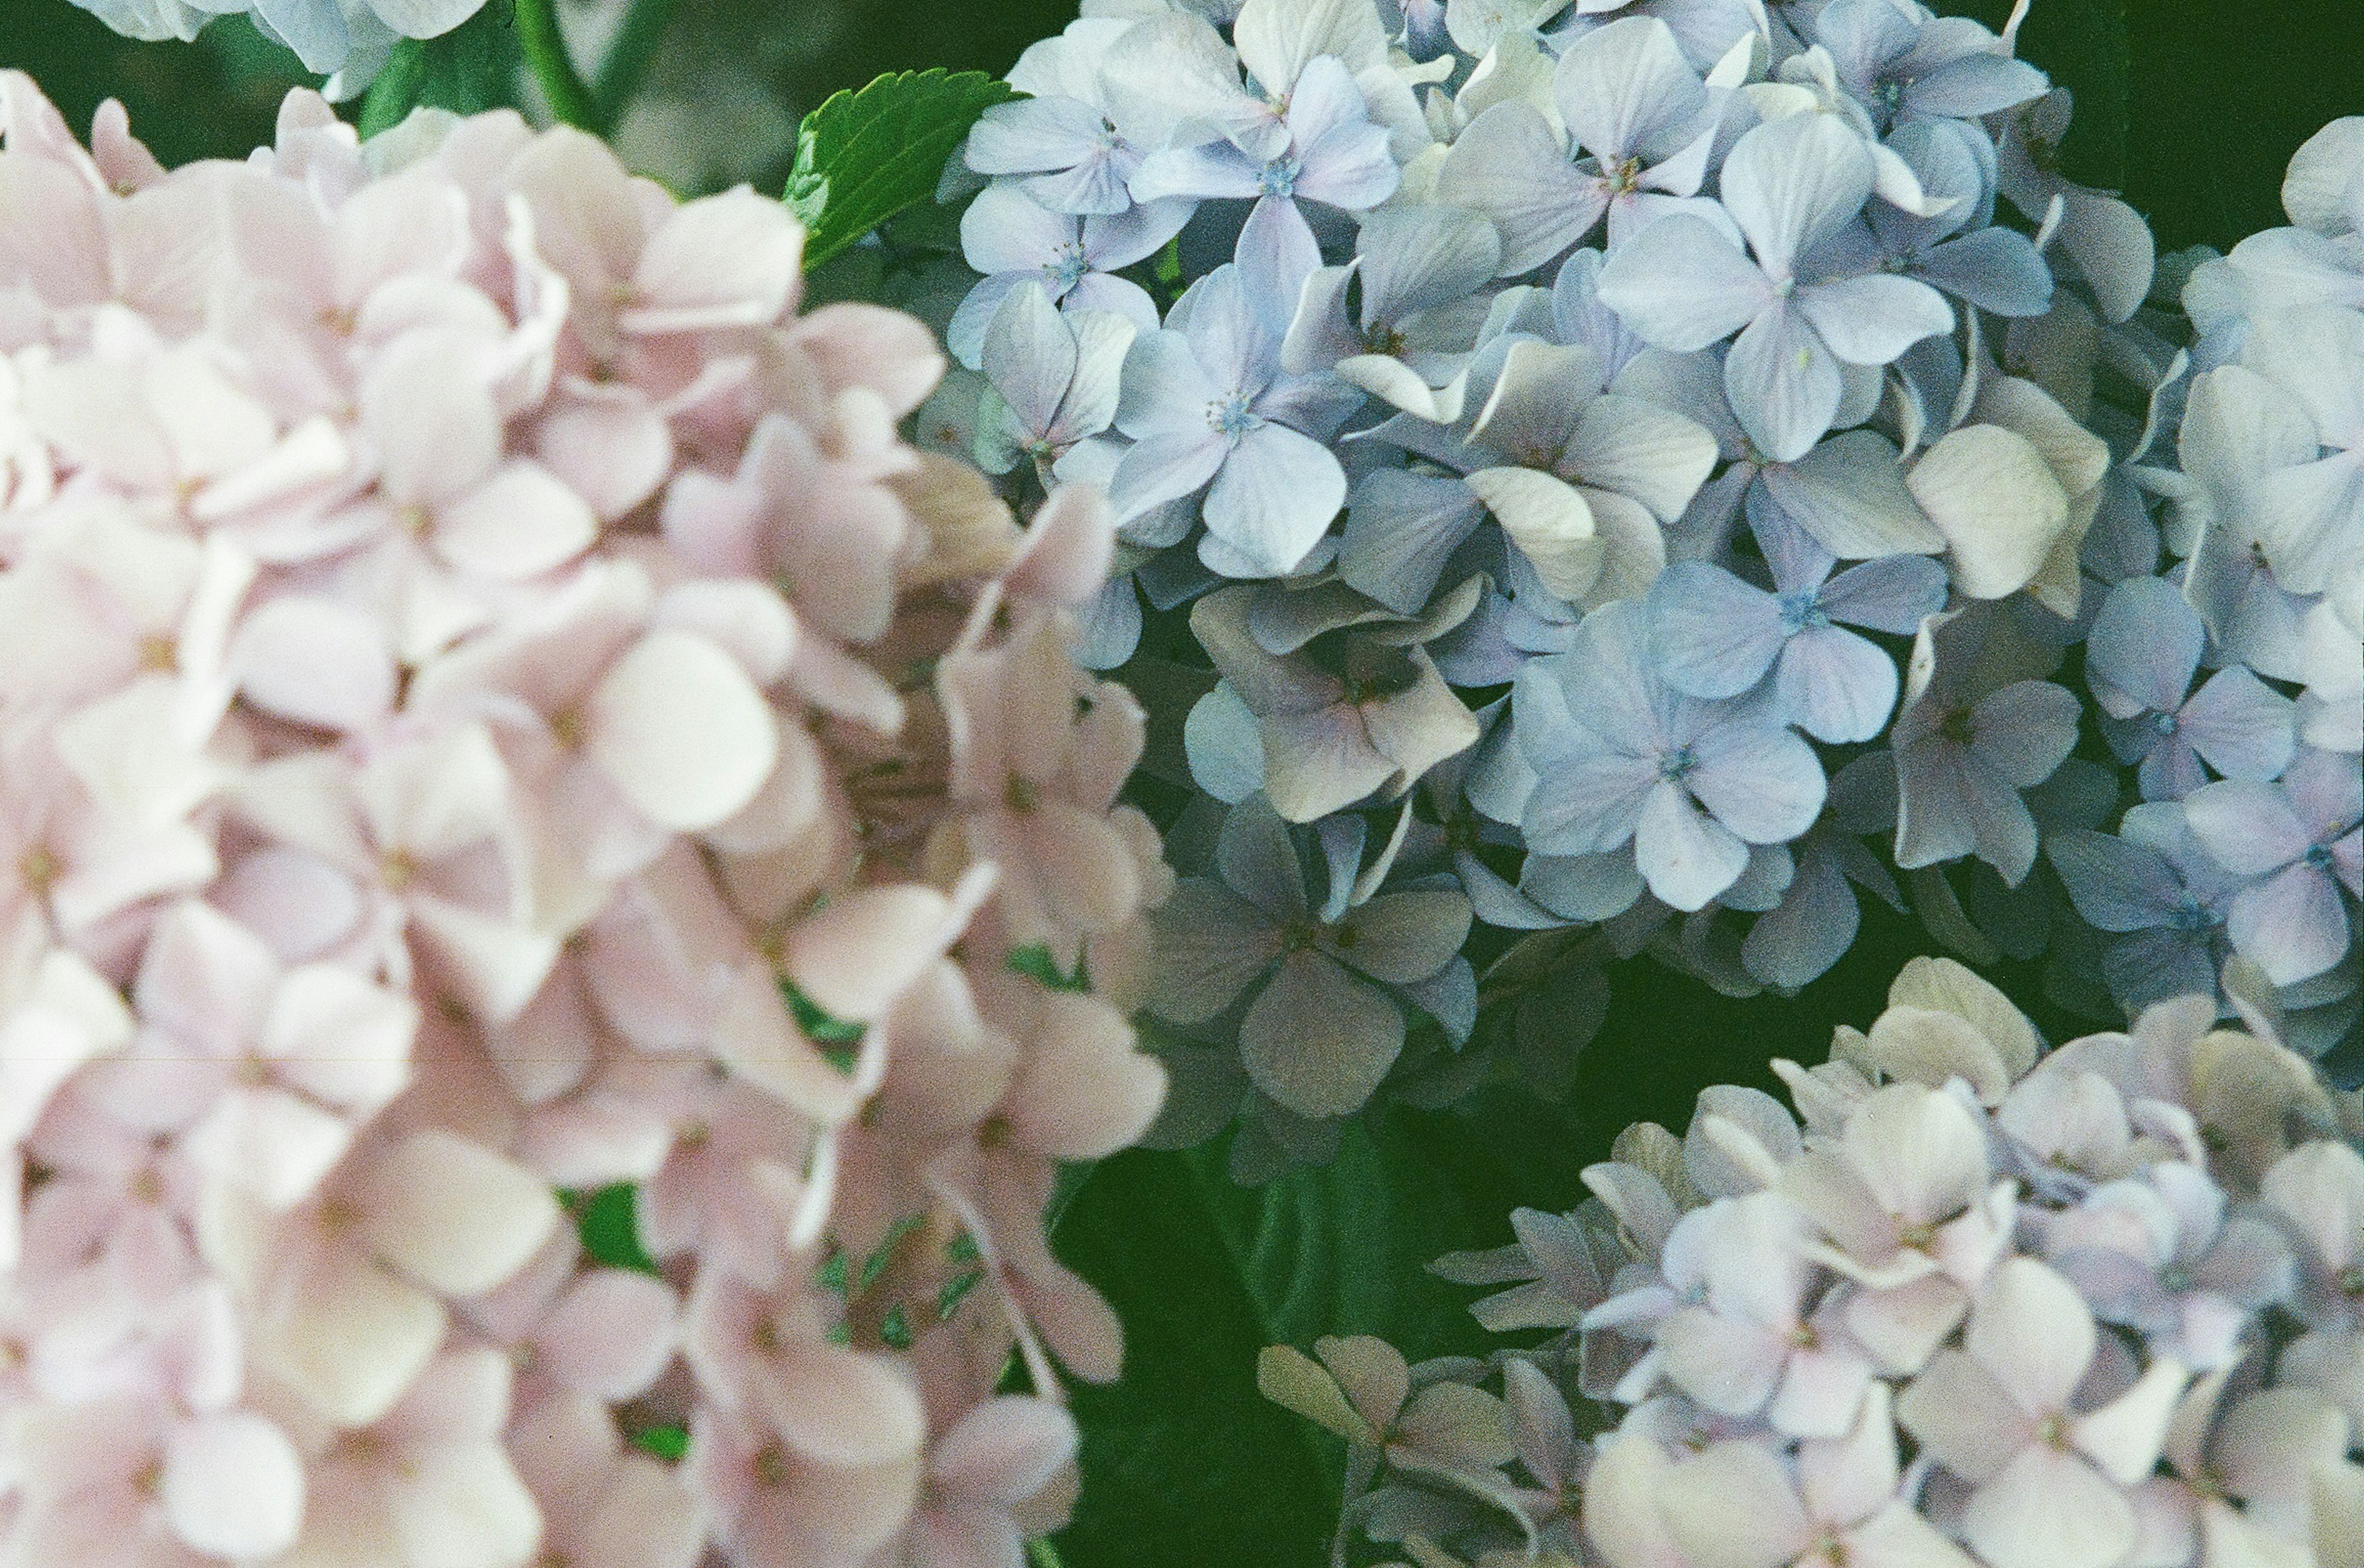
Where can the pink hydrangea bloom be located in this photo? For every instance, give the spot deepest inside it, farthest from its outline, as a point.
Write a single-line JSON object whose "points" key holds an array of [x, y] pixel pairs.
{"points": [[490, 704]]}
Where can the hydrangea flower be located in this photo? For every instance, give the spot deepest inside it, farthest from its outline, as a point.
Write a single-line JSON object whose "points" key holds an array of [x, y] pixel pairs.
{"points": [[500, 710], [2067, 1278], [1790, 185], [1622, 758]]}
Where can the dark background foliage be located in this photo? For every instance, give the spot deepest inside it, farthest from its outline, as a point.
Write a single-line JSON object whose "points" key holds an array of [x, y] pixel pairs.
{"points": [[2191, 107]]}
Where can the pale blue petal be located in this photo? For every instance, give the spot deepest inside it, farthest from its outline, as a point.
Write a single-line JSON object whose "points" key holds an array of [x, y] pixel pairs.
{"points": [[1005, 230], [2116, 884], [1210, 170], [1510, 165], [1809, 930], [1995, 269], [1834, 686], [2290, 925], [1714, 635], [1165, 390], [1119, 239], [1894, 594], [1416, 258], [1256, 859], [1871, 320], [1275, 495], [1972, 85], [2154, 965], [1400, 527], [1783, 382], [1793, 183], [1760, 780], [1588, 802], [1276, 253], [1113, 296], [2024, 731], [1029, 356], [1163, 467], [1108, 628], [1686, 856], [1849, 494], [1231, 333], [1033, 136], [1681, 286], [1625, 91], [2242, 726], [2249, 827], [2147, 642], [1582, 888]]}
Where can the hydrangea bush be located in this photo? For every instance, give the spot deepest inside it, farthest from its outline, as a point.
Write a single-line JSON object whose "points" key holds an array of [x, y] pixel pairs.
{"points": [[596, 771], [491, 711], [1974, 1302], [1670, 471]]}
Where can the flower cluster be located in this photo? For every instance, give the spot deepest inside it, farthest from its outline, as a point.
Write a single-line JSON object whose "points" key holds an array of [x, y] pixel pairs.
{"points": [[1627, 461], [1974, 1303], [491, 711]]}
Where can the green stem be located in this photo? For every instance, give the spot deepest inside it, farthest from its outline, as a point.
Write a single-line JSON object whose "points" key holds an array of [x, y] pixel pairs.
{"points": [[554, 72], [1042, 1554], [634, 50]]}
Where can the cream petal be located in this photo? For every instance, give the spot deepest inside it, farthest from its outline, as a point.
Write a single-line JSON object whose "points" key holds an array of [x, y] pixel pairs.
{"points": [[453, 1214], [1997, 501], [1734, 1506], [679, 729], [2048, 1509], [2031, 1329], [233, 1486]]}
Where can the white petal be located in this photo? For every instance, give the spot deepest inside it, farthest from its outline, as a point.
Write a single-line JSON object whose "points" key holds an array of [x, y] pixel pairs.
{"points": [[1997, 501], [233, 1486], [1548, 520]]}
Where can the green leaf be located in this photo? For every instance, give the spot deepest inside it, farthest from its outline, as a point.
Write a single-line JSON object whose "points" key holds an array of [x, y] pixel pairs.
{"points": [[607, 1219], [863, 157], [1184, 1461], [468, 70], [668, 1444]]}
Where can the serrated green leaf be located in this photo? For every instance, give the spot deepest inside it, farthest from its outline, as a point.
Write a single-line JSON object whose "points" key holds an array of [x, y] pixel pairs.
{"points": [[468, 70], [865, 156]]}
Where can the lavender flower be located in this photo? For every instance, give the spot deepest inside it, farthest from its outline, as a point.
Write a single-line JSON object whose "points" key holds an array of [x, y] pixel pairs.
{"points": [[1013, 240], [1682, 284], [1716, 635], [2303, 839], [2165, 895], [1628, 99], [1052, 379], [1210, 409], [1623, 759], [2139, 659]]}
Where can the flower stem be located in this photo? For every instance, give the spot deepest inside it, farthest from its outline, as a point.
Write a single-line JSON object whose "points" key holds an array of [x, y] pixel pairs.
{"points": [[554, 72], [634, 50]]}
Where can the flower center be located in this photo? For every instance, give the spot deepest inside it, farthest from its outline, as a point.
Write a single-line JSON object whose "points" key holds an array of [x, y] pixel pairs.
{"points": [[2318, 856], [2163, 724], [1679, 764], [2191, 916], [1278, 178], [1623, 175], [1959, 726], [1231, 416], [1803, 610], [2053, 1431], [772, 1465], [397, 869], [37, 869], [1019, 794], [2174, 1279], [1068, 267], [2350, 1281]]}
